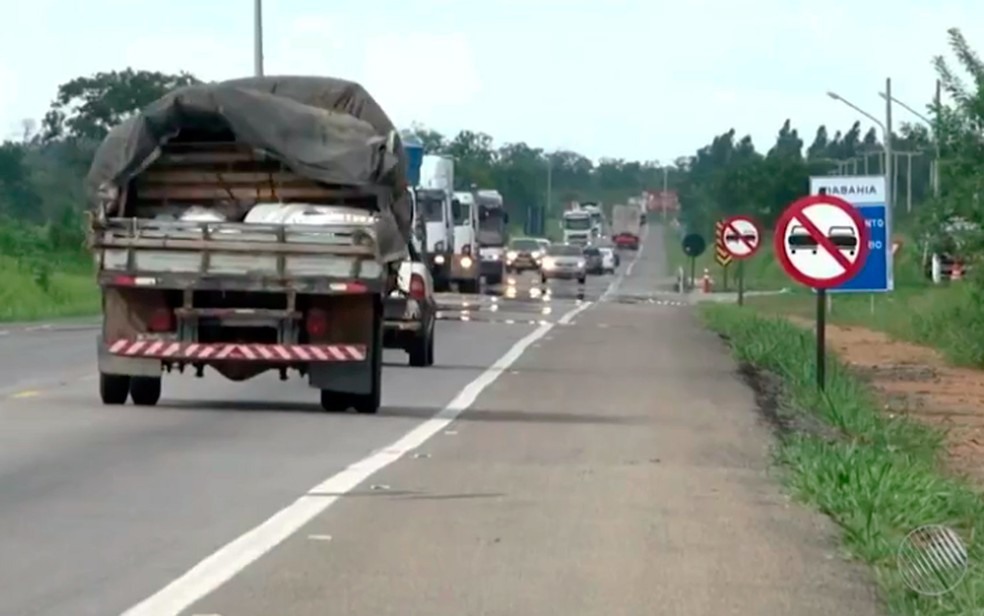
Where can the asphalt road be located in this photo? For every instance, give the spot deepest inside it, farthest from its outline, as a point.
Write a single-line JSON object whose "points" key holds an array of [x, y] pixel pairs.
{"points": [[578, 451], [102, 506]]}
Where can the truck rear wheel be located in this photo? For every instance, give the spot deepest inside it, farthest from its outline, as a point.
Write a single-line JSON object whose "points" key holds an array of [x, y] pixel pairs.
{"points": [[145, 390], [114, 388], [421, 350]]}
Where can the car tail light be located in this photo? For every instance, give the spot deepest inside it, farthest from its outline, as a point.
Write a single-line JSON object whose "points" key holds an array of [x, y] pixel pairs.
{"points": [[161, 320], [418, 289], [316, 322]]}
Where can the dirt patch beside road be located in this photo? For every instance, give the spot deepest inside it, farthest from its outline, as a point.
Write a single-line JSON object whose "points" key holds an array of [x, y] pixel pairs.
{"points": [[917, 381]]}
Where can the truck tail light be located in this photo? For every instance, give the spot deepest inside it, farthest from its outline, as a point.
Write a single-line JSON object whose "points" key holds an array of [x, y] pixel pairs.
{"points": [[316, 323], [161, 320], [418, 289]]}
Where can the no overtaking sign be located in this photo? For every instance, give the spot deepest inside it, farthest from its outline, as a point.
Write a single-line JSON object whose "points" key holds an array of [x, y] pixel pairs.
{"points": [[740, 236], [821, 241]]}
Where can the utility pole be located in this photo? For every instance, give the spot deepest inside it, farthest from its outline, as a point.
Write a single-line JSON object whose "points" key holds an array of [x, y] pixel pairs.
{"points": [[936, 163], [546, 207], [908, 179], [890, 194], [665, 191], [258, 37]]}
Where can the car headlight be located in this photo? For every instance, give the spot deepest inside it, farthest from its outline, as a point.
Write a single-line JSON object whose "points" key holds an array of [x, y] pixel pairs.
{"points": [[548, 263], [466, 262], [511, 255], [537, 254], [439, 259], [580, 263]]}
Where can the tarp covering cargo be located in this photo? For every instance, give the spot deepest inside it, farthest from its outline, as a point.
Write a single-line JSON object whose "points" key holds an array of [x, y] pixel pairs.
{"points": [[327, 130]]}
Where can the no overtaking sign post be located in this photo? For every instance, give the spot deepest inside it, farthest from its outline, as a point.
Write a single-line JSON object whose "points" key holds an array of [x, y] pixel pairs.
{"points": [[741, 238], [822, 242]]}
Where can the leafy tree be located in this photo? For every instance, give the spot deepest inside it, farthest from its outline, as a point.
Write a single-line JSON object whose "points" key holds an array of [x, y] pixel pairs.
{"points": [[87, 107]]}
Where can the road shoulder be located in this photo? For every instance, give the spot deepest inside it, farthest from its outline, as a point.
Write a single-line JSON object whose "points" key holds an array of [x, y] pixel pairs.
{"points": [[618, 468]]}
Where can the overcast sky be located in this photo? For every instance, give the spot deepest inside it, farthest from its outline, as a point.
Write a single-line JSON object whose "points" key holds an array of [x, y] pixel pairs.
{"points": [[636, 79]]}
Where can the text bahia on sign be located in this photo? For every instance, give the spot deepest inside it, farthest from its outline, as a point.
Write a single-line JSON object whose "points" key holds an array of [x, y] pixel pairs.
{"points": [[867, 194]]}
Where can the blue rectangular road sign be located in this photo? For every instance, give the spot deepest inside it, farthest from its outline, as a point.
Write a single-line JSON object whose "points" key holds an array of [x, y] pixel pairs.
{"points": [[867, 194]]}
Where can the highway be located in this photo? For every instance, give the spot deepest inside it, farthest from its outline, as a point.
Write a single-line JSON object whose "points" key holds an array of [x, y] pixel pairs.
{"points": [[606, 461]]}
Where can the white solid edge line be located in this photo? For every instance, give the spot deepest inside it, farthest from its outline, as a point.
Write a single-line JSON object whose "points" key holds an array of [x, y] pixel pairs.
{"points": [[614, 286], [223, 564]]}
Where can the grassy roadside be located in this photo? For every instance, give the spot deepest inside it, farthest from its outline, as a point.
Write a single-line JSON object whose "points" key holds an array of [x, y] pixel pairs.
{"points": [[949, 318], [875, 475], [31, 292], [762, 272]]}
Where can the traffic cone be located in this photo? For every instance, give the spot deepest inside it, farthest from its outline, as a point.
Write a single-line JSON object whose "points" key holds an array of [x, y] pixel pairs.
{"points": [[706, 281], [956, 272]]}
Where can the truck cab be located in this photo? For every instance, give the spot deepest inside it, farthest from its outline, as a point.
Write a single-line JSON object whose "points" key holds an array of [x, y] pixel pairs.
{"points": [[464, 265], [492, 234], [576, 227], [434, 197]]}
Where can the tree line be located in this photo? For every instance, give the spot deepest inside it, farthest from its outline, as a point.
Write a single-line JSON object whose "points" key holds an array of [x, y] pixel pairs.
{"points": [[41, 171]]}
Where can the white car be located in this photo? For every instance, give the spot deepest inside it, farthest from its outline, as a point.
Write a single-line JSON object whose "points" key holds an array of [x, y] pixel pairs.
{"points": [[410, 312], [608, 259]]}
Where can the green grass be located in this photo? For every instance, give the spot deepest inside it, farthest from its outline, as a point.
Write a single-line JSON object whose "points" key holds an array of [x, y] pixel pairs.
{"points": [[877, 477], [949, 318], [30, 291]]}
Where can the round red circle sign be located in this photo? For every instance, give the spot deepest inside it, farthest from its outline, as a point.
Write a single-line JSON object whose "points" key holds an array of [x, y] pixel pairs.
{"points": [[821, 241]]}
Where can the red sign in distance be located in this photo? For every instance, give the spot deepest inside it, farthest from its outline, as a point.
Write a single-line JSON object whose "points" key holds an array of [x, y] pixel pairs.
{"points": [[747, 233], [805, 243]]}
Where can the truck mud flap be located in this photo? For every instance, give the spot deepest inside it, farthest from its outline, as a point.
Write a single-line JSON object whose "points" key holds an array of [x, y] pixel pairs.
{"points": [[360, 378], [123, 365]]}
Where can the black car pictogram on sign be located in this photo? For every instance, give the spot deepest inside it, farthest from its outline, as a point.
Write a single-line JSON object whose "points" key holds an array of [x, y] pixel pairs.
{"points": [[733, 237], [844, 238], [800, 238]]}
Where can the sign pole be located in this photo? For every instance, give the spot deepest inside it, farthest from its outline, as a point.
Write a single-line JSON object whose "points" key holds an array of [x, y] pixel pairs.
{"points": [[740, 238], [741, 282], [724, 277], [821, 339], [693, 246], [836, 239]]}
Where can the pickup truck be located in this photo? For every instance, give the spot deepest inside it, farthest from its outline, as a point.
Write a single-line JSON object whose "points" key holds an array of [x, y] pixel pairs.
{"points": [[246, 226], [411, 312]]}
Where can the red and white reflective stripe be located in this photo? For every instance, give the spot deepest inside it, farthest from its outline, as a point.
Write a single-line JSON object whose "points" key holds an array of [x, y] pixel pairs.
{"points": [[223, 351]]}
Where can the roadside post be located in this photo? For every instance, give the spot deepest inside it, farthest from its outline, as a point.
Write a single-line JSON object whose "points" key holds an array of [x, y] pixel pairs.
{"points": [[741, 238], [693, 246], [721, 255], [822, 242]]}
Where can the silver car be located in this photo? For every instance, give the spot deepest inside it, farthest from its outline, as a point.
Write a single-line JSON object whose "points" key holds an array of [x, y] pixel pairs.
{"points": [[565, 262]]}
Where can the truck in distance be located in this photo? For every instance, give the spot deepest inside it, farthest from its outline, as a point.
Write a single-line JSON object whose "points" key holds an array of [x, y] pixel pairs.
{"points": [[434, 197], [576, 227], [226, 237], [492, 234], [625, 227], [464, 265]]}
